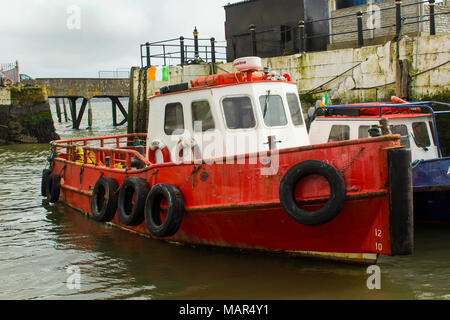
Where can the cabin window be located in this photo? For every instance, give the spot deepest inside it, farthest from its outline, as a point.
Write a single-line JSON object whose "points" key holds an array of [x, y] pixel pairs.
{"points": [[432, 132], [421, 137], [174, 120], [339, 133], [294, 109], [285, 33], [341, 4], [403, 132], [272, 109], [201, 111], [238, 112], [363, 132]]}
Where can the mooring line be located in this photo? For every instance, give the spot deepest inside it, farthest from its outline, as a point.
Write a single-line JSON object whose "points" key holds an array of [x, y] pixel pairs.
{"points": [[351, 161]]}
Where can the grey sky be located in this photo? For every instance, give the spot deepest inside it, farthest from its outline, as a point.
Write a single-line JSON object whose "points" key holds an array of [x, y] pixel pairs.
{"points": [[36, 32]]}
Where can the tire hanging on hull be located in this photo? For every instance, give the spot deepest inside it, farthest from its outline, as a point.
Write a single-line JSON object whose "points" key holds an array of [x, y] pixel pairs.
{"points": [[104, 199], [331, 208], [45, 174], [131, 212], [53, 187], [175, 210]]}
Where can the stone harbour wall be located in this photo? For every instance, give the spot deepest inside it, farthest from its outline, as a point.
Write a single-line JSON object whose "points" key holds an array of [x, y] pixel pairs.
{"points": [[353, 74], [364, 74], [25, 116]]}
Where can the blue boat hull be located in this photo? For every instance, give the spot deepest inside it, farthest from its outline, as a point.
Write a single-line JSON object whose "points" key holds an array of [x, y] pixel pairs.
{"points": [[431, 185]]}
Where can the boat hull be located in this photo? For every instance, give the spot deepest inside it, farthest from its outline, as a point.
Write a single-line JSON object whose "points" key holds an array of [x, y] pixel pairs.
{"points": [[431, 185], [230, 203]]}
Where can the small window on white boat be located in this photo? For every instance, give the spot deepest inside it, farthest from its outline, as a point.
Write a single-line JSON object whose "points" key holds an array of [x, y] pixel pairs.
{"points": [[432, 132], [403, 132], [421, 137], [201, 111], [294, 109], [339, 133], [174, 120], [238, 112], [363, 132], [272, 109]]}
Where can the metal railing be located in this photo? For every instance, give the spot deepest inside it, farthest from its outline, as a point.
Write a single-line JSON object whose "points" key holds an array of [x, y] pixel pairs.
{"points": [[182, 51], [9, 71], [115, 152], [118, 73], [304, 25]]}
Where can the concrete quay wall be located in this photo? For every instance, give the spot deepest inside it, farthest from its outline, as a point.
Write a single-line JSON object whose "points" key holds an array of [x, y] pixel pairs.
{"points": [[25, 116]]}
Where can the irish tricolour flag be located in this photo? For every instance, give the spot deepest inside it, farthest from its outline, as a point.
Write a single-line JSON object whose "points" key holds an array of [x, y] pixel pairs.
{"points": [[158, 73], [324, 101]]}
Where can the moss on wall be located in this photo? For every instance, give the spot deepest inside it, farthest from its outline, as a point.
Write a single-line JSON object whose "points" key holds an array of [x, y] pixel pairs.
{"points": [[37, 119], [28, 118], [442, 96], [27, 96]]}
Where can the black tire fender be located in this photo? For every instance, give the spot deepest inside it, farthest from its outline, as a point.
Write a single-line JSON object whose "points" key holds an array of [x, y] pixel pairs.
{"points": [[331, 208], [175, 210], [132, 214], [104, 199], [52, 188], [45, 174]]}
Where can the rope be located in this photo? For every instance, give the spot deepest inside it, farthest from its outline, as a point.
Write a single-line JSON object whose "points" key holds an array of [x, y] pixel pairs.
{"points": [[412, 76], [353, 159], [416, 163], [194, 170], [339, 75]]}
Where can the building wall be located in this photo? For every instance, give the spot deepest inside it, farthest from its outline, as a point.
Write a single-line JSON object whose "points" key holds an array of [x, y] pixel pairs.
{"points": [[267, 16], [442, 21], [426, 53], [316, 32], [387, 18], [270, 18]]}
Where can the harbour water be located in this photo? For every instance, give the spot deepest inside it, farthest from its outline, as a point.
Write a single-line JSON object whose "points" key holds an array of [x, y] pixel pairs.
{"points": [[45, 247]]}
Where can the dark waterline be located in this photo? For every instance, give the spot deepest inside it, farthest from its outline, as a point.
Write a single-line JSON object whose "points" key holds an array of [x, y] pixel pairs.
{"points": [[39, 242]]}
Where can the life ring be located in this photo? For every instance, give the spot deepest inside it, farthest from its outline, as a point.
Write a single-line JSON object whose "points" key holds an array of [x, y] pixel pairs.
{"points": [[158, 144], [331, 208], [104, 199], [45, 174], [175, 210], [187, 144], [52, 188], [288, 77], [131, 212], [7, 82]]}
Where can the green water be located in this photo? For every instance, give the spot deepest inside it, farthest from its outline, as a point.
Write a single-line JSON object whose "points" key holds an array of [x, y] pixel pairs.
{"points": [[39, 243]]}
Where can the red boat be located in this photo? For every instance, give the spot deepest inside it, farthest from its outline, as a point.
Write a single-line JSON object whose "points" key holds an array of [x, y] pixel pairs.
{"points": [[227, 162]]}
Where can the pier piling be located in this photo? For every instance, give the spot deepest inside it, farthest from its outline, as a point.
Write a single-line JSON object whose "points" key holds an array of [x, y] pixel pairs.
{"points": [[116, 103], [58, 109], [65, 110], [89, 114]]}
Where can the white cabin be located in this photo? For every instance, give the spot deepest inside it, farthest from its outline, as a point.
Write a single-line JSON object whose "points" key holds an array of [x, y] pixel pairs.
{"points": [[226, 120], [416, 131]]}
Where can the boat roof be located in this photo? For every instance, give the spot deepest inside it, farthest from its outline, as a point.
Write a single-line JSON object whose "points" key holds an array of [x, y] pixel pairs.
{"points": [[382, 110], [195, 89], [376, 117]]}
